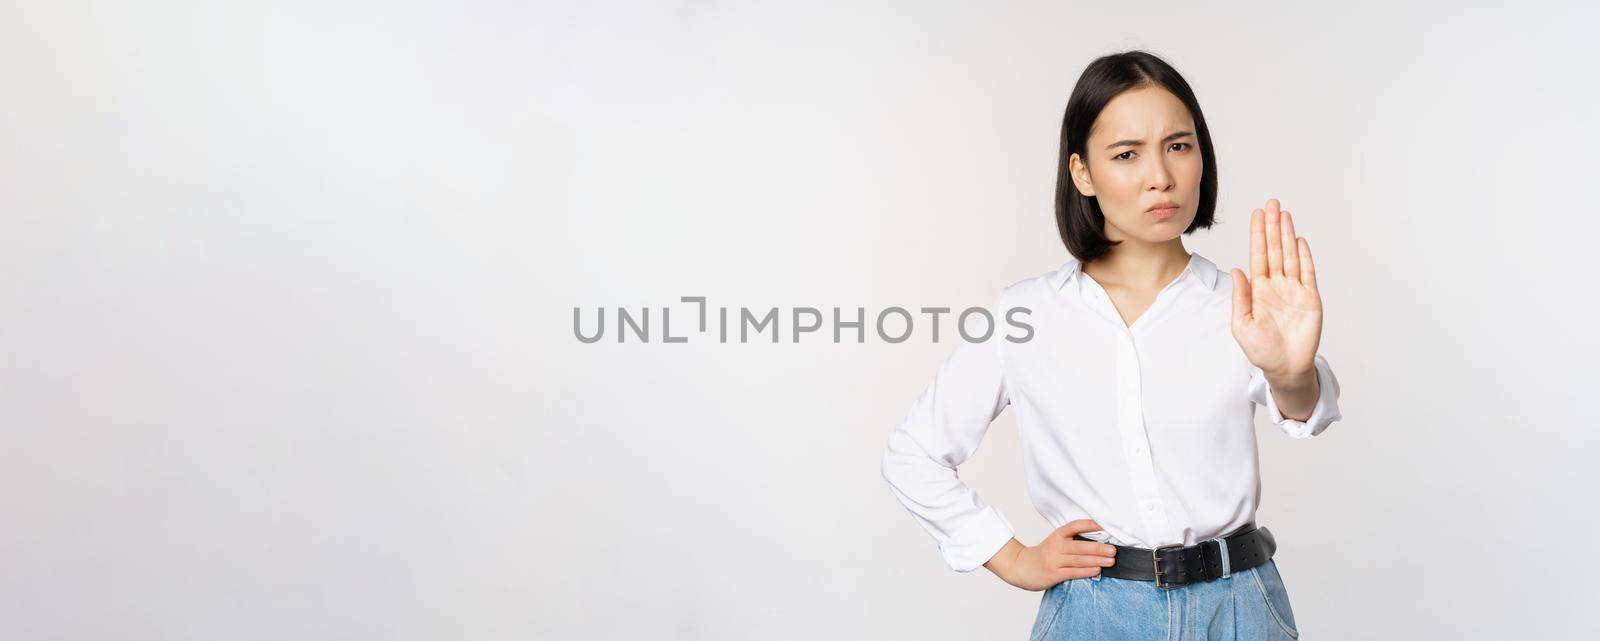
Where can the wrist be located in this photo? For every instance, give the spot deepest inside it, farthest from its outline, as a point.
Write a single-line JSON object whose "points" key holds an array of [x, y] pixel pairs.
{"points": [[1004, 560], [1295, 379]]}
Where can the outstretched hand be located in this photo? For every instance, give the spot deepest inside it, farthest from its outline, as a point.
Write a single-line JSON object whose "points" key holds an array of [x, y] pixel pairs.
{"points": [[1277, 311]]}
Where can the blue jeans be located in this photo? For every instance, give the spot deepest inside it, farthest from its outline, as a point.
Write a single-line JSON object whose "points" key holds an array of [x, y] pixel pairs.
{"points": [[1251, 605]]}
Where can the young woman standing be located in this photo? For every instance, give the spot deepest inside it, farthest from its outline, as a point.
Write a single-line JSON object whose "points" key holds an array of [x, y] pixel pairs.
{"points": [[1135, 397]]}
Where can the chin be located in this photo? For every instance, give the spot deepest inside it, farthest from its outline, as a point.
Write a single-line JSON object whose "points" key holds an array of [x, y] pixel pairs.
{"points": [[1170, 229], [1157, 233]]}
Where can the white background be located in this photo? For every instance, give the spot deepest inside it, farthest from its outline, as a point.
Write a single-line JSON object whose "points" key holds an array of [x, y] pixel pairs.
{"points": [[287, 293]]}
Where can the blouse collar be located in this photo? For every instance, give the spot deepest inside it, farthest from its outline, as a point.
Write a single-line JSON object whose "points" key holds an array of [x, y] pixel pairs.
{"points": [[1198, 266]]}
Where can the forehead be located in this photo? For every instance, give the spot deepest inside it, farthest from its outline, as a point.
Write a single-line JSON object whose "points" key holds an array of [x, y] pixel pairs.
{"points": [[1137, 112]]}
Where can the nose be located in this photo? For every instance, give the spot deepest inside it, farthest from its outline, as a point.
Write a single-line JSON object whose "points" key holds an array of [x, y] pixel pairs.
{"points": [[1160, 177]]}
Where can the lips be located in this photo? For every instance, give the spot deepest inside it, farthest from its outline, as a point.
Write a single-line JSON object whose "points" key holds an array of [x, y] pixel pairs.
{"points": [[1163, 212]]}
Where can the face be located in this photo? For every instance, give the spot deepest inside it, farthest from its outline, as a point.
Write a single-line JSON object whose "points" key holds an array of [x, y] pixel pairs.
{"points": [[1141, 151]]}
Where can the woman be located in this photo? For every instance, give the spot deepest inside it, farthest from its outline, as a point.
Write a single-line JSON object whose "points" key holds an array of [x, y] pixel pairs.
{"points": [[1135, 396]]}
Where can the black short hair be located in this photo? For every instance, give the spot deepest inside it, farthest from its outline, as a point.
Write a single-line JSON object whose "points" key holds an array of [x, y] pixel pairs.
{"points": [[1078, 217]]}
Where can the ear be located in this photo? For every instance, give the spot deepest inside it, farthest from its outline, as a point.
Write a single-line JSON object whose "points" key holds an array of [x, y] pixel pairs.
{"points": [[1080, 175]]}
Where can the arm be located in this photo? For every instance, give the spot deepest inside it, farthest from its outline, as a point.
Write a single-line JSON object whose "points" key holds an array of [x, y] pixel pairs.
{"points": [[942, 430], [1302, 406], [1277, 320]]}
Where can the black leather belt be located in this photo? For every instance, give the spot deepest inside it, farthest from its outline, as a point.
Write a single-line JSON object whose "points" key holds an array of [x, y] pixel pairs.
{"points": [[1172, 566]]}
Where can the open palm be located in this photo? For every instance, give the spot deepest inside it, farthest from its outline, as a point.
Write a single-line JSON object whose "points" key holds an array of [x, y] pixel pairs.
{"points": [[1277, 312]]}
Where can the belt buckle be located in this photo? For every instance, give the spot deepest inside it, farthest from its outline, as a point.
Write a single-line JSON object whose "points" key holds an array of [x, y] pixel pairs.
{"points": [[1155, 562]]}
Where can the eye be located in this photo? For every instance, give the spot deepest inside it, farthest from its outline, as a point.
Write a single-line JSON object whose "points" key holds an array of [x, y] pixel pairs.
{"points": [[1185, 145], [1120, 156]]}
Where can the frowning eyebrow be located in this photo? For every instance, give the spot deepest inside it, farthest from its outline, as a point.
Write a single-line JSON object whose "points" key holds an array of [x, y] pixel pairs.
{"points": [[1136, 143]]}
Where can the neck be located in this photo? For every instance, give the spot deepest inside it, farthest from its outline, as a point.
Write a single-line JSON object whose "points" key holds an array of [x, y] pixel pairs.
{"points": [[1140, 265]]}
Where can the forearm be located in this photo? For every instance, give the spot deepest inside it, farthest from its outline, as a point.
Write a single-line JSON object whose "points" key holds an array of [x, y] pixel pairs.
{"points": [[1295, 393], [1003, 560]]}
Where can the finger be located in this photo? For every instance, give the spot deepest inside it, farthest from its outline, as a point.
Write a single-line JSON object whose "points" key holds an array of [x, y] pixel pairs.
{"points": [[1078, 527], [1085, 561], [1091, 548], [1241, 296], [1291, 250], [1308, 269], [1258, 244], [1274, 240]]}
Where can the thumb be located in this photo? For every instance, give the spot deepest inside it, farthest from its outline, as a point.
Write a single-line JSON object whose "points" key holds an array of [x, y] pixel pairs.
{"points": [[1241, 297]]}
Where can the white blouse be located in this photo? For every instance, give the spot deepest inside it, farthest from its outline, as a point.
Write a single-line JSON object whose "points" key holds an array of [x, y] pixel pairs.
{"points": [[1149, 429]]}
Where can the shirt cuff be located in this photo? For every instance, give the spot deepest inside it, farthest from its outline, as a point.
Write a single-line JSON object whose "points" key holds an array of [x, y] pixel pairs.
{"points": [[1323, 414], [977, 541]]}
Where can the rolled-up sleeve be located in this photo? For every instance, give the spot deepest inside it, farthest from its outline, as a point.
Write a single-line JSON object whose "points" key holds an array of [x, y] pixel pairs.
{"points": [[942, 430], [1323, 415]]}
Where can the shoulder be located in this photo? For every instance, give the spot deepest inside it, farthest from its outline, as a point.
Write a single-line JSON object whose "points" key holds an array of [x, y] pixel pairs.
{"points": [[1035, 288], [1219, 277]]}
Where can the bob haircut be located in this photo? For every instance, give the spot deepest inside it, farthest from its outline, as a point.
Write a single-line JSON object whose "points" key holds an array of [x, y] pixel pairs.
{"points": [[1078, 217]]}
